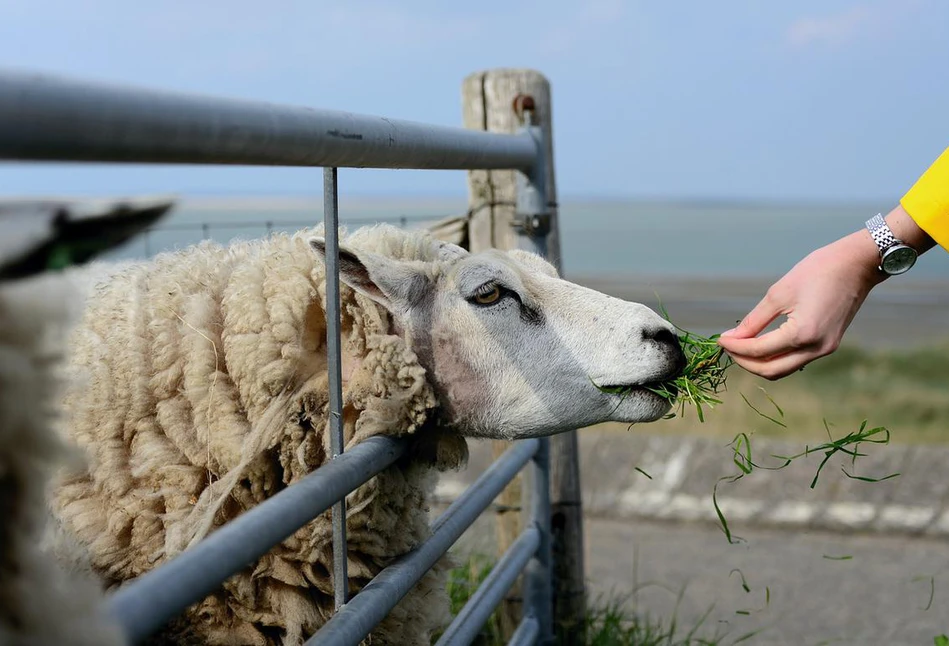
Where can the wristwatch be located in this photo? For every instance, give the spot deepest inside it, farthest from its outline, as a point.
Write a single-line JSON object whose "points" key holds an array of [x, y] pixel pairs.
{"points": [[895, 257]]}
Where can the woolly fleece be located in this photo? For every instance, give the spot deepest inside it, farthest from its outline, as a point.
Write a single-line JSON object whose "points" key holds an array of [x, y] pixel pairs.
{"points": [[199, 389], [40, 602]]}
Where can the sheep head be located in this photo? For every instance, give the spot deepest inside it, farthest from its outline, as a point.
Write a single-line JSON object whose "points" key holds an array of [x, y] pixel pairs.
{"points": [[512, 349]]}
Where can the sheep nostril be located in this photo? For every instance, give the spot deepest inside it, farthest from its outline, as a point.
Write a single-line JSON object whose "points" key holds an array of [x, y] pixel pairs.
{"points": [[662, 335], [670, 342]]}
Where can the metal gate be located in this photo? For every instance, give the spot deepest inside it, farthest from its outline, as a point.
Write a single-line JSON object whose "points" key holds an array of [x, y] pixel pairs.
{"points": [[53, 119]]}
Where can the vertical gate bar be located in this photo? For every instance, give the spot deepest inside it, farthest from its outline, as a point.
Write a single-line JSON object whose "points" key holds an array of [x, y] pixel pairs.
{"points": [[539, 581], [334, 358], [533, 223]]}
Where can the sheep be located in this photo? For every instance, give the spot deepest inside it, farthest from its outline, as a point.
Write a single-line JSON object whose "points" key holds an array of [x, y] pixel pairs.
{"points": [[199, 388], [40, 601]]}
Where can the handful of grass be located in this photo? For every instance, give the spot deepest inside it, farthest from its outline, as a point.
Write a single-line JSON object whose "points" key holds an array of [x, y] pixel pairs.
{"points": [[702, 379]]}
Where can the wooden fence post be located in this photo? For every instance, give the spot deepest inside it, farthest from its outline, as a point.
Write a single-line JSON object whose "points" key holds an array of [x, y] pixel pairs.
{"points": [[488, 104]]}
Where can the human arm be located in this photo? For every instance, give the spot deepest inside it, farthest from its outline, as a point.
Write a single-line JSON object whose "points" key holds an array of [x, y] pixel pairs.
{"points": [[822, 293]]}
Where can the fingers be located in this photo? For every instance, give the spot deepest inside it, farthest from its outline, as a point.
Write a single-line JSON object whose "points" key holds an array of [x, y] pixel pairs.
{"points": [[779, 353], [757, 319], [777, 367], [777, 342], [744, 340], [773, 355]]}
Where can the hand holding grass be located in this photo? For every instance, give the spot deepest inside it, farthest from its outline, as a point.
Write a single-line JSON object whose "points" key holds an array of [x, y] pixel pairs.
{"points": [[820, 297], [700, 383]]}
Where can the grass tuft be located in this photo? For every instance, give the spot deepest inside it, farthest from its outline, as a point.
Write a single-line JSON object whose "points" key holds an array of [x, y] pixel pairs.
{"points": [[702, 379], [610, 621], [463, 581]]}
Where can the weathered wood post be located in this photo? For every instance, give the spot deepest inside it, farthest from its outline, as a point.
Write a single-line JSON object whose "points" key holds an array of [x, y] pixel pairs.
{"points": [[494, 101]]}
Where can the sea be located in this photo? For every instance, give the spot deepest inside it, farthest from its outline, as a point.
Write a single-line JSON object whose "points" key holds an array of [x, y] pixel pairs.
{"points": [[599, 237]]}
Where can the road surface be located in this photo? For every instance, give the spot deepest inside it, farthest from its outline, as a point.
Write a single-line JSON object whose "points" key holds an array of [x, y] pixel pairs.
{"points": [[878, 597]]}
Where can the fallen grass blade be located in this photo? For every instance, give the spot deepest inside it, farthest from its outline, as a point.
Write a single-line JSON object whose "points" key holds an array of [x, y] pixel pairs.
{"points": [[744, 584], [868, 479], [742, 458], [843, 445], [722, 523], [747, 589], [932, 589], [773, 403], [767, 417]]}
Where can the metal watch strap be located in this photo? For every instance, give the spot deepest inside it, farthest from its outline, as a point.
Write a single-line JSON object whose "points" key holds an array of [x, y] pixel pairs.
{"points": [[881, 233]]}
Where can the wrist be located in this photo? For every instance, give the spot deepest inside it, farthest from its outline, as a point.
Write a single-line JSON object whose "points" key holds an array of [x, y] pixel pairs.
{"points": [[863, 254], [899, 241], [905, 228]]}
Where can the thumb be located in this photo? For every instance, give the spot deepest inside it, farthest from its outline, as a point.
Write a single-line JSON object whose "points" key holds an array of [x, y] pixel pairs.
{"points": [[756, 320]]}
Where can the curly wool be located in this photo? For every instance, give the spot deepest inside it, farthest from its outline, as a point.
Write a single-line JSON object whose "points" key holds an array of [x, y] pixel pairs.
{"points": [[199, 389], [40, 602]]}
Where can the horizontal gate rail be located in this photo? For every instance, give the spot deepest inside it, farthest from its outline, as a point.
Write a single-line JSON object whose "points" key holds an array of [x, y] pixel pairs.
{"points": [[467, 624], [49, 118], [356, 619], [149, 602], [206, 225]]}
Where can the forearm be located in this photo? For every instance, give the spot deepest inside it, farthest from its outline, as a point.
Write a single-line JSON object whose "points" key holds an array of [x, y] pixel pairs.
{"points": [[906, 229]]}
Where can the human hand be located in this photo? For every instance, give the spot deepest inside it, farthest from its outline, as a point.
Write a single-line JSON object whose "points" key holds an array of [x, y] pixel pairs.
{"points": [[820, 297]]}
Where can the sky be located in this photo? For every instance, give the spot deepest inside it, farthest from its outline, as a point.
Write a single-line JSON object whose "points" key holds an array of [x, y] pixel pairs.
{"points": [[826, 100]]}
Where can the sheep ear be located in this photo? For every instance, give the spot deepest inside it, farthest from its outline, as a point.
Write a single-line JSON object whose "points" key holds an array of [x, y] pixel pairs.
{"points": [[450, 252], [394, 284]]}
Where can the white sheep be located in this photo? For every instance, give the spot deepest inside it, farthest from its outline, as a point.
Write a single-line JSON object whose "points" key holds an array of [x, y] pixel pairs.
{"points": [[200, 389], [40, 601]]}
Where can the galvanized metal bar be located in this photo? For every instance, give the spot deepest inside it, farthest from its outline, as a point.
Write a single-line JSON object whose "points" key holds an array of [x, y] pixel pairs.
{"points": [[532, 217], [54, 119], [334, 366], [467, 624], [403, 222], [526, 633], [147, 603], [538, 595], [357, 618], [533, 224]]}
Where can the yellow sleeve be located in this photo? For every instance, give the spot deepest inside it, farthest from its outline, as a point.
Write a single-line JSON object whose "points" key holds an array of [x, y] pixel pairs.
{"points": [[928, 201]]}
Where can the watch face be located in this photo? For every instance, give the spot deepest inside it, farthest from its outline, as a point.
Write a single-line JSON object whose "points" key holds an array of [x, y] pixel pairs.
{"points": [[898, 260]]}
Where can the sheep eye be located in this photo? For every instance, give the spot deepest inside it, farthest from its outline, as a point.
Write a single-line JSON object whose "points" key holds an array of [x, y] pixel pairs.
{"points": [[490, 295]]}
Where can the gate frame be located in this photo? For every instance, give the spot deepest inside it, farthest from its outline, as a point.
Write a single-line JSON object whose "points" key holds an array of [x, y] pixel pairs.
{"points": [[45, 118]]}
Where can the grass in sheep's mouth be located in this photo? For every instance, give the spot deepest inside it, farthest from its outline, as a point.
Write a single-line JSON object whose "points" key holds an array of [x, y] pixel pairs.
{"points": [[701, 381], [703, 377]]}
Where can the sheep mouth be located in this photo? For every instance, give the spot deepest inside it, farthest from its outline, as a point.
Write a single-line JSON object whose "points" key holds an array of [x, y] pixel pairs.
{"points": [[666, 389]]}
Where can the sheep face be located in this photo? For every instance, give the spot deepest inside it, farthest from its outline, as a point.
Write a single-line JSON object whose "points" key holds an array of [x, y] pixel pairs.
{"points": [[513, 350]]}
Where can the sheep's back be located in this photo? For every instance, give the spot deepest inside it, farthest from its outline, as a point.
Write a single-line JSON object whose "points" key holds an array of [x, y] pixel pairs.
{"points": [[199, 389]]}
